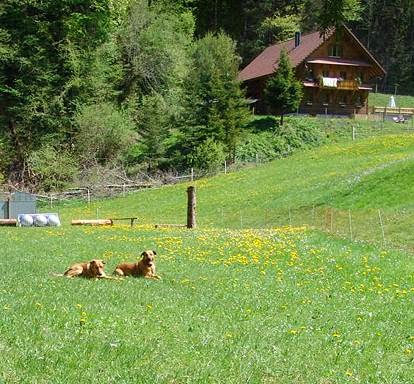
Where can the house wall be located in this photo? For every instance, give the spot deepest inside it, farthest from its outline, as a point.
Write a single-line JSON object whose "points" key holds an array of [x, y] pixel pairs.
{"points": [[338, 102]]}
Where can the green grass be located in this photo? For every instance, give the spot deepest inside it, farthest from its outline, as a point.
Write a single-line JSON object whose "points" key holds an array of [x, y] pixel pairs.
{"points": [[265, 306], [361, 176], [382, 100]]}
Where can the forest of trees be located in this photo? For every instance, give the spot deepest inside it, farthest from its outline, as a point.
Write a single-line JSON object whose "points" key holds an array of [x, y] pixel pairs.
{"points": [[92, 86]]}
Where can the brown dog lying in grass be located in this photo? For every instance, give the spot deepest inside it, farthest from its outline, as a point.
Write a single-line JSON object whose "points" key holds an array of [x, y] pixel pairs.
{"points": [[92, 270], [143, 268]]}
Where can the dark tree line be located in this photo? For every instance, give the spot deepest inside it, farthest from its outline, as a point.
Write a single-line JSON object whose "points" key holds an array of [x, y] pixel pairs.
{"points": [[386, 27]]}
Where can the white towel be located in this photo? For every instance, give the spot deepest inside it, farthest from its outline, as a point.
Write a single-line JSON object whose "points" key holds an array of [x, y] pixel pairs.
{"points": [[331, 82]]}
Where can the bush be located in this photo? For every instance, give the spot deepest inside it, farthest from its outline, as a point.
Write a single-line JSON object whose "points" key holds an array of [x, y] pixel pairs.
{"points": [[51, 169], [105, 133], [280, 140], [301, 133], [208, 156]]}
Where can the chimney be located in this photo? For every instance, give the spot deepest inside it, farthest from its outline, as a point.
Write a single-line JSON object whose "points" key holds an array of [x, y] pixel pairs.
{"points": [[297, 39]]}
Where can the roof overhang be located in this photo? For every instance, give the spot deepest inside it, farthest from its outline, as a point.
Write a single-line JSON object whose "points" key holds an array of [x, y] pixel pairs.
{"points": [[339, 61]]}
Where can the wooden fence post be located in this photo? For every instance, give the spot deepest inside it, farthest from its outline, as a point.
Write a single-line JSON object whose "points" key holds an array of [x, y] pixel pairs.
{"points": [[382, 226], [89, 196], [191, 207], [350, 224]]}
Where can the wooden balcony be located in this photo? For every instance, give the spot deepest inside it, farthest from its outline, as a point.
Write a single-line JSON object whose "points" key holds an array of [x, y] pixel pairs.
{"points": [[350, 85], [347, 85]]}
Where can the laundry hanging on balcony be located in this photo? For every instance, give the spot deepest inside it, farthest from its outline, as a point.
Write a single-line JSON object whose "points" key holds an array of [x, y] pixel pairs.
{"points": [[330, 82]]}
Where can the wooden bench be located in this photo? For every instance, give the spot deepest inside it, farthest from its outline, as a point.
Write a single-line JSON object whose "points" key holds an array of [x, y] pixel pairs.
{"points": [[123, 218]]}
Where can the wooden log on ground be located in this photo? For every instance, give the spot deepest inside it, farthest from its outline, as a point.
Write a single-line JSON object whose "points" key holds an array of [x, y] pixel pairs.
{"points": [[92, 222], [8, 222], [170, 225]]}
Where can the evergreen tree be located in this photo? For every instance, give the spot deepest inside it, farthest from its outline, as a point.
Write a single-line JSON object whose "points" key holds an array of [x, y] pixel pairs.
{"points": [[153, 126], [215, 106], [283, 91]]}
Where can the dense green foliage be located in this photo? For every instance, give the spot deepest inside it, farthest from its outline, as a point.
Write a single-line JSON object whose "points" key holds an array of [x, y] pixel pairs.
{"points": [[135, 85]]}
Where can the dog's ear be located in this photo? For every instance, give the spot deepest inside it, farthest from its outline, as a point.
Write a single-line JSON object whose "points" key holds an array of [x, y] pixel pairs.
{"points": [[154, 252], [103, 262], [143, 254]]}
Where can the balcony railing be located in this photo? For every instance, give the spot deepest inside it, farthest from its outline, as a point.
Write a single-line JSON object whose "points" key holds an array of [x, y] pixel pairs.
{"points": [[335, 83], [348, 84]]}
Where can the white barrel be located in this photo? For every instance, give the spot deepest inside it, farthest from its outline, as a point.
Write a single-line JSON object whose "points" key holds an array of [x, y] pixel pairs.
{"points": [[40, 220], [53, 220], [25, 220]]}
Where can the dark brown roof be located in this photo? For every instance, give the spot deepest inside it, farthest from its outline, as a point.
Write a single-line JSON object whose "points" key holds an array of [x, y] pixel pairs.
{"points": [[266, 63]]}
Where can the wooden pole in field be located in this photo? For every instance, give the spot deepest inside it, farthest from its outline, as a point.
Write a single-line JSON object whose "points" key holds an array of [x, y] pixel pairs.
{"points": [[89, 196], [350, 224], [313, 217], [331, 212], [191, 207], [382, 226]]}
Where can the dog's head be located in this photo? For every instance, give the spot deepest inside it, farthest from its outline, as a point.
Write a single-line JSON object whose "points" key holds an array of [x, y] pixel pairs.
{"points": [[97, 267], [148, 257]]}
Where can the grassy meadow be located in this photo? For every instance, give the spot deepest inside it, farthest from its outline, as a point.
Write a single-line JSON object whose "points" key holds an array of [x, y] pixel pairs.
{"points": [[256, 294], [281, 305]]}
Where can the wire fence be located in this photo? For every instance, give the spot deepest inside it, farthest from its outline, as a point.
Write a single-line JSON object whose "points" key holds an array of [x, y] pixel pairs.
{"points": [[381, 227], [342, 131]]}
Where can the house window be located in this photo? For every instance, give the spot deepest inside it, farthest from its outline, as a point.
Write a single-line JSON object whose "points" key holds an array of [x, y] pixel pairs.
{"points": [[361, 76], [342, 75], [335, 50], [325, 73]]}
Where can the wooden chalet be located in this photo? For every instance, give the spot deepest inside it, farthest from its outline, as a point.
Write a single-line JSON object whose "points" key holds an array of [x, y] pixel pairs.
{"points": [[337, 72]]}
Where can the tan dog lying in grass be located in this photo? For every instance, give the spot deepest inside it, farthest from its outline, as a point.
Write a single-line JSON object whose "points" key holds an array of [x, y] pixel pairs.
{"points": [[143, 268], [92, 270]]}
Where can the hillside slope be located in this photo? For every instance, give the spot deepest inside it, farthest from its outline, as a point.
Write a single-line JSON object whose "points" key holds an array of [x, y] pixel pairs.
{"points": [[361, 176]]}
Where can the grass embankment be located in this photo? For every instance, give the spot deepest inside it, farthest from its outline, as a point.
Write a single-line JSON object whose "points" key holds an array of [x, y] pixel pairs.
{"points": [[363, 176], [265, 306], [382, 100]]}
